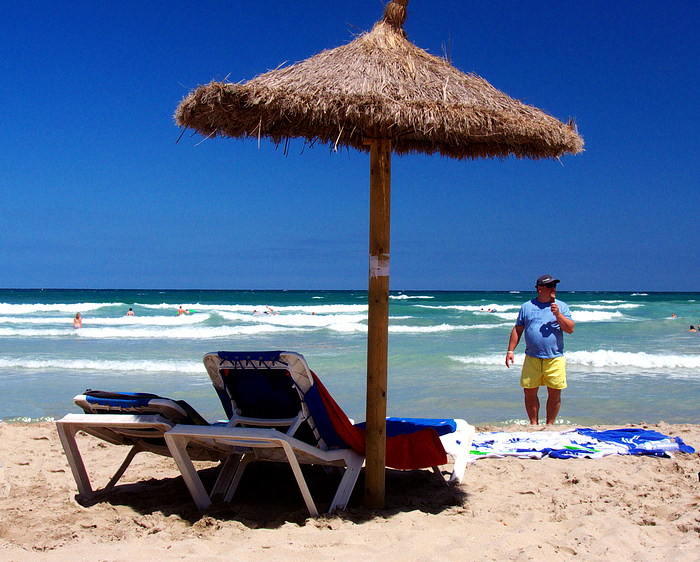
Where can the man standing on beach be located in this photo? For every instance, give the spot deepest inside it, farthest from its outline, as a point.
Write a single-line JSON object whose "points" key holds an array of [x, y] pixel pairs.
{"points": [[543, 319]]}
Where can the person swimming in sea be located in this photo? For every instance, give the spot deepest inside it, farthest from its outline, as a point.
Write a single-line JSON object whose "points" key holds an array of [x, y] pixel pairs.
{"points": [[77, 321]]}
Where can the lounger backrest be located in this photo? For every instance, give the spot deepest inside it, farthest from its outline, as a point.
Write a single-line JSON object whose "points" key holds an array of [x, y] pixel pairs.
{"points": [[262, 393], [270, 385]]}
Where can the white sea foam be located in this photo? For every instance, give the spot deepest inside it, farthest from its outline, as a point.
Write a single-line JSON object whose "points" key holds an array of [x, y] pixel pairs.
{"points": [[442, 328], [37, 333], [601, 359], [418, 330], [143, 332], [479, 308], [67, 320], [296, 320], [409, 297], [590, 313], [184, 332], [250, 309], [639, 360], [70, 309], [609, 305], [147, 320], [511, 316], [489, 359], [347, 328], [103, 321], [596, 316], [127, 366], [205, 325], [506, 312]]}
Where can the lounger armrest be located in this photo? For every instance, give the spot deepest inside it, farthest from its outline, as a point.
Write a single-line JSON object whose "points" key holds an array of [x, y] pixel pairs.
{"points": [[243, 437], [102, 425]]}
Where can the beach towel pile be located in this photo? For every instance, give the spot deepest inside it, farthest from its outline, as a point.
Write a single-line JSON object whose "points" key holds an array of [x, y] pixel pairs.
{"points": [[577, 443]]}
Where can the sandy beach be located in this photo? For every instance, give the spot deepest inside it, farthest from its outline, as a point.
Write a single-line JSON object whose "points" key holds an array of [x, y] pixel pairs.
{"points": [[615, 508]]}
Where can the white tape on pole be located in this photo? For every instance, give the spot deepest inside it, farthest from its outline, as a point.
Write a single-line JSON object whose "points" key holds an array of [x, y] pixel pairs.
{"points": [[379, 266]]}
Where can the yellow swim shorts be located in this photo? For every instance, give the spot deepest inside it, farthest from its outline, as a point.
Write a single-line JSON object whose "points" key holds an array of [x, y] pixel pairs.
{"points": [[541, 372]]}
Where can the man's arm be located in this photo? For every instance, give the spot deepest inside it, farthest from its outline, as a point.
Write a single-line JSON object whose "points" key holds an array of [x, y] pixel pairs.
{"points": [[513, 343], [566, 324]]}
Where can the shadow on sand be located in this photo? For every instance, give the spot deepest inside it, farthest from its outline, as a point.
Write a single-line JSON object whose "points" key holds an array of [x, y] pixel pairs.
{"points": [[268, 496]]}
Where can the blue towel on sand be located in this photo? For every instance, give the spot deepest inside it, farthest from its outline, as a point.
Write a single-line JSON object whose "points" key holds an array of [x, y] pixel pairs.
{"points": [[640, 441], [577, 443]]}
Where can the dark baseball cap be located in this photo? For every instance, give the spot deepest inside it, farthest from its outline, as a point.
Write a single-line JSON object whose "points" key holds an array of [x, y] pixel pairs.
{"points": [[546, 280]]}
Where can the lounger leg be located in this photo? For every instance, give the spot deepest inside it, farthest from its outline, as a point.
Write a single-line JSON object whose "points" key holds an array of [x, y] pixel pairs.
{"points": [[242, 464], [461, 460], [66, 433], [466, 435], [178, 448], [347, 483], [301, 481], [437, 472], [459, 468], [226, 475], [127, 461]]}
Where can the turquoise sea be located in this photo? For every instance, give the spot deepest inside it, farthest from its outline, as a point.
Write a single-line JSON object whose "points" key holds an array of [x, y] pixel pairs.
{"points": [[629, 360]]}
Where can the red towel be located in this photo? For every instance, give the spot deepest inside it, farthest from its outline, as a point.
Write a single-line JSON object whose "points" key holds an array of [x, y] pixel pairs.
{"points": [[421, 449]]}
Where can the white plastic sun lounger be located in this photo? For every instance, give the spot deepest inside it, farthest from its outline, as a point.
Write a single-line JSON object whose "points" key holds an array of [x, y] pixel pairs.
{"points": [[262, 392], [262, 445], [256, 386], [136, 420]]}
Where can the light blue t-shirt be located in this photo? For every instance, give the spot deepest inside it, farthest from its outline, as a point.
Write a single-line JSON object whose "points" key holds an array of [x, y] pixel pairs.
{"points": [[544, 338]]}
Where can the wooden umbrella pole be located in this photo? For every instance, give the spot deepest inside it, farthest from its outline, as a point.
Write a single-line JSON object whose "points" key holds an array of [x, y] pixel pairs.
{"points": [[378, 320]]}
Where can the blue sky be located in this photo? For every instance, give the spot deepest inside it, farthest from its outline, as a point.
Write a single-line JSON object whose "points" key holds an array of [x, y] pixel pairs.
{"points": [[95, 192]]}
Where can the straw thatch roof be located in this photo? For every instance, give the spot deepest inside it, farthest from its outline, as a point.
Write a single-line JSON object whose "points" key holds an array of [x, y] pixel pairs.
{"points": [[379, 85]]}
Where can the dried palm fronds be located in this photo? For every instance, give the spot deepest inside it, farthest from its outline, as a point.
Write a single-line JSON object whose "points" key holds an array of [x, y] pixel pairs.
{"points": [[380, 84]]}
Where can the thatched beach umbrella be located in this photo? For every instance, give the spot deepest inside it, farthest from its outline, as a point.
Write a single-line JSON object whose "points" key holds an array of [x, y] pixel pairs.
{"points": [[379, 93]]}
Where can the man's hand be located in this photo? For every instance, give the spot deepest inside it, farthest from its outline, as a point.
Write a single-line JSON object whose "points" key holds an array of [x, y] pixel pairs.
{"points": [[513, 343], [565, 323]]}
